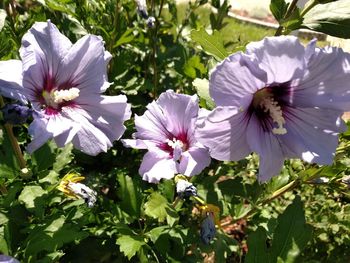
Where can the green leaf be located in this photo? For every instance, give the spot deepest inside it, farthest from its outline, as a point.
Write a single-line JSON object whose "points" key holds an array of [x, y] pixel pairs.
{"points": [[278, 9], [61, 7], [44, 157], [125, 38], [293, 22], [8, 163], [4, 247], [130, 194], [330, 18], [257, 250], [129, 245], [156, 206], [192, 66], [292, 233], [224, 246], [63, 158], [202, 88], [29, 195], [154, 233], [211, 44], [2, 18], [51, 236]]}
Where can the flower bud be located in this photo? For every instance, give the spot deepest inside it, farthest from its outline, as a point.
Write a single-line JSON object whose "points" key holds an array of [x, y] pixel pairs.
{"points": [[185, 189], [16, 114], [208, 229], [151, 22]]}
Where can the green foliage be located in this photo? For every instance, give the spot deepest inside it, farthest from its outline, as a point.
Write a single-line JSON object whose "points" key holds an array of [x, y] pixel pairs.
{"points": [[132, 220], [129, 245], [330, 18], [289, 238], [202, 88], [2, 18], [211, 44], [9, 167], [279, 9]]}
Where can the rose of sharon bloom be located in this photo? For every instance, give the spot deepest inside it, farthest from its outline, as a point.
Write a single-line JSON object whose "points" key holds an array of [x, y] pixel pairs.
{"points": [[279, 99], [167, 129], [64, 82]]}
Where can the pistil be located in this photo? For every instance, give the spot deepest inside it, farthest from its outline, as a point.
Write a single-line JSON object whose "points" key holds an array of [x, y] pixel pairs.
{"points": [[264, 100]]}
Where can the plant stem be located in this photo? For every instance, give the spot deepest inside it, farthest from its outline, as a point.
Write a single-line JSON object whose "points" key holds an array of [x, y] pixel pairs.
{"points": [[290, 10], [154, 38], [13, 141], [308, 7]]}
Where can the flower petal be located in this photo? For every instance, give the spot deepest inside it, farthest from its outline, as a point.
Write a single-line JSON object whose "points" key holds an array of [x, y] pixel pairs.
{"points": [[44, 128], [136, 144], [225, 136], [235, 80], [89, 139], [268, 147], [326, 82], [282, 58], [154, 168], [193, 161], [312, 134], [151, 125], [43, 48], [11, 80], [107, 113], [180, 110], [85, 66]]}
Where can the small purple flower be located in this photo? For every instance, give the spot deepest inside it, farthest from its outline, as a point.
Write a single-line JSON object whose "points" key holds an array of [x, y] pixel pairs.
{"points": [[279, 99], [167, 130], [63, 82]]}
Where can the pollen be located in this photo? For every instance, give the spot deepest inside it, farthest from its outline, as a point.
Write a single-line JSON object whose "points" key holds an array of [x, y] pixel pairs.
{"points": [[60, 96], [270, 106], [55, 97], [175, 143]]}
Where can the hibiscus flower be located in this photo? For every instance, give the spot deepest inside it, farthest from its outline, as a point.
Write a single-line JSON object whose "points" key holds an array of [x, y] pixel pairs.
{"points": [[280, 100], [167, 129], [63, 82]]}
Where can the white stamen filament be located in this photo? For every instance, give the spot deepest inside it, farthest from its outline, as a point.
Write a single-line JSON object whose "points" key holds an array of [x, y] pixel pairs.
{"points": [[175, 143], [271, 106]]}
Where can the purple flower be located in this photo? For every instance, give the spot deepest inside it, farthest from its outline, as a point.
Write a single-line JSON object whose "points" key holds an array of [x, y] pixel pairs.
{"points": [[279, 99], [7, 259], [64, 82], [167, 130]]}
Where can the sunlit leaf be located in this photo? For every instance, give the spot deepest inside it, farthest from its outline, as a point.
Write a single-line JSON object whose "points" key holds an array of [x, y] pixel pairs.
{"points": [[129, 245], [291, 233], [330, 18], [156, 206], [2, 18], [202, 88], [211, 44]]}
